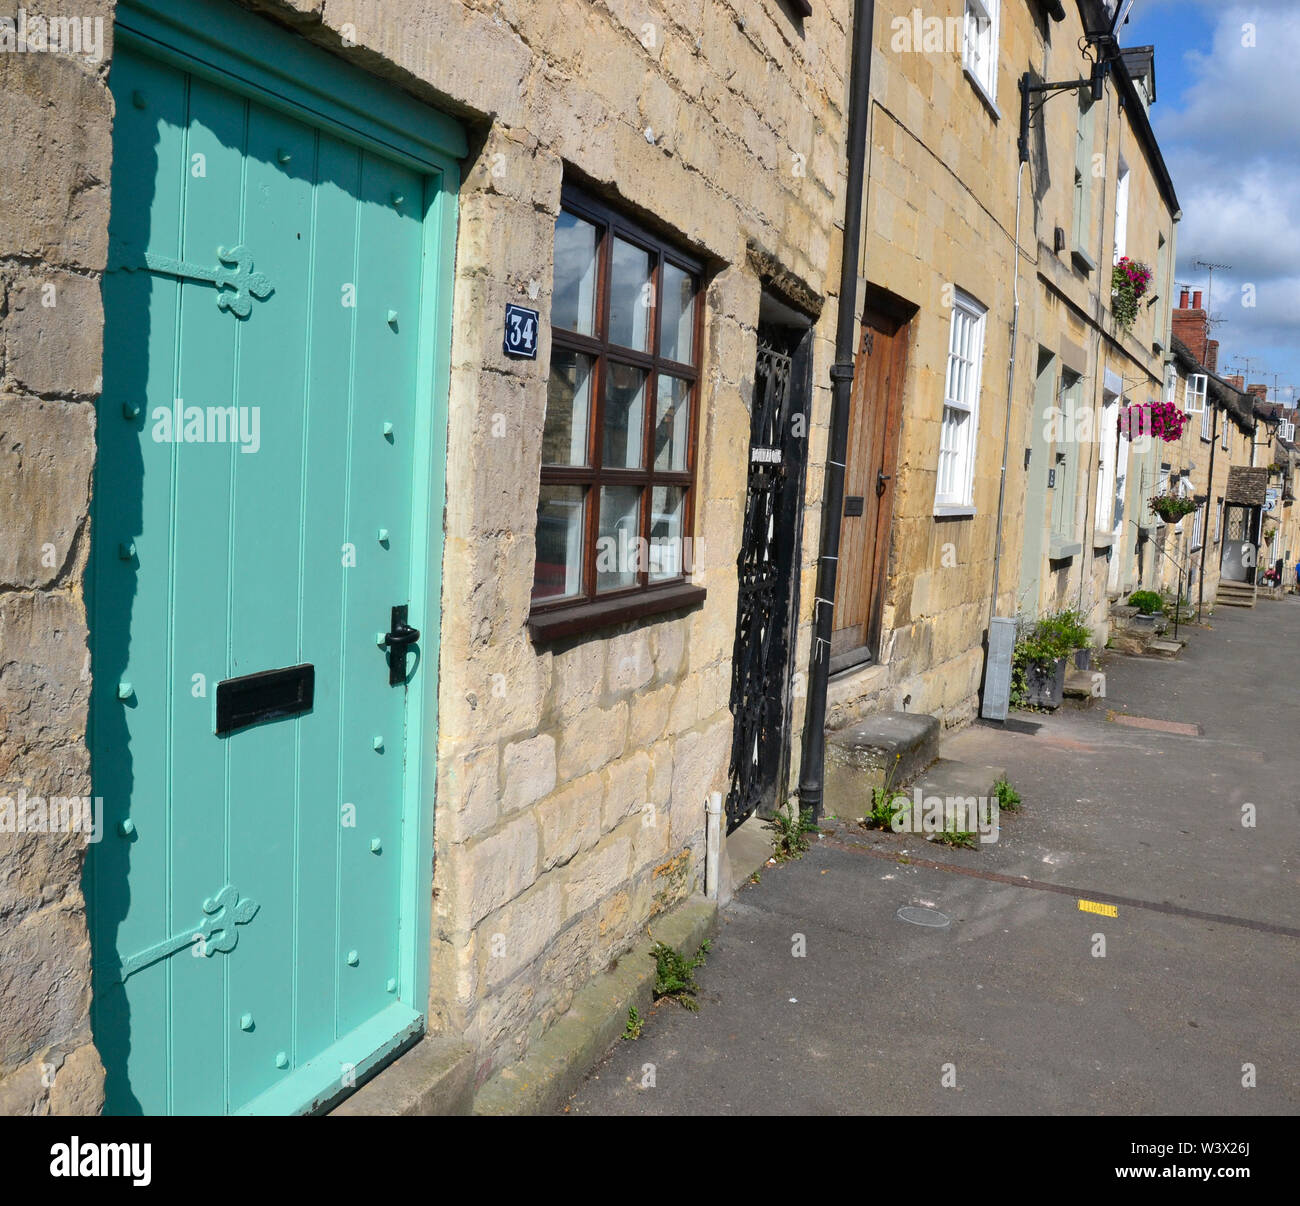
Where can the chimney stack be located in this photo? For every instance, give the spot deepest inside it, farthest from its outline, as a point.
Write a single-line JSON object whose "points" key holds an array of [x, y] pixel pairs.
{"points": [[1196, 300], [1212, 355], [1236, 381], [1258, 392], [1184, 301]]}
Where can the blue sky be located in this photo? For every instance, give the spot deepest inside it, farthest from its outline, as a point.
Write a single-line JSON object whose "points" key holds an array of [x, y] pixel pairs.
{"points": [[1228, 119]]}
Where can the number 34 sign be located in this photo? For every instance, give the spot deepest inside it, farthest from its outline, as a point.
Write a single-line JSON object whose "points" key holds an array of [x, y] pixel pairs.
{"points": [[521, 332]]}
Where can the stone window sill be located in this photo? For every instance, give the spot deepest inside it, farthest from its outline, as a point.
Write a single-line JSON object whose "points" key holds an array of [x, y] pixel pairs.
{"points": [[989, 103], [1083, 261], [584, 618], [949, 511]]}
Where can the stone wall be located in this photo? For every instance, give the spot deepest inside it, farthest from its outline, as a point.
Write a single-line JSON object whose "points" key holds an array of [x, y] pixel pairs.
{"points": [[573, 776], [55, 123]]}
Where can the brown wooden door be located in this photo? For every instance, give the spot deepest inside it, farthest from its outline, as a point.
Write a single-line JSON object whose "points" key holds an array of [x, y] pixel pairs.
{"points": [[869, 478]]}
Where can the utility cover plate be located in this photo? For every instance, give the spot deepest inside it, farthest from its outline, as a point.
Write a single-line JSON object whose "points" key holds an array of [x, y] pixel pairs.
{"points": [[917, 915]]}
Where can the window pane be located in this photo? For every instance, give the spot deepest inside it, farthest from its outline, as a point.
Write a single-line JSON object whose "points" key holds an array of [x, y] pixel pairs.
{"points": [[667, 522], [677, 325], [618, 541], [558, 572], [573, 306], [624, 415], [672, 423], [629, 297], [568, 405]]}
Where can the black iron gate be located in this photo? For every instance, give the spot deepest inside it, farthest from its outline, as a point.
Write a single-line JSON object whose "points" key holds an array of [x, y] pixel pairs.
{"points": [[769, 549]]}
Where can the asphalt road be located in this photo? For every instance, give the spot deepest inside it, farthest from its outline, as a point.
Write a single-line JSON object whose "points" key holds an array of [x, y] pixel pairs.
{"points": [[1007, 1009]]}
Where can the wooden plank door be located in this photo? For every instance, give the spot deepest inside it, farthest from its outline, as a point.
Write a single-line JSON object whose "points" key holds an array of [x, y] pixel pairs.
{"points": [[869, 478], [254, 512]]}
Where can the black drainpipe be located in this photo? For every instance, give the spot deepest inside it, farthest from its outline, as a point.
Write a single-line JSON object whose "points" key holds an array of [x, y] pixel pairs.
{"points": [[811, 771], [1209, 495]]}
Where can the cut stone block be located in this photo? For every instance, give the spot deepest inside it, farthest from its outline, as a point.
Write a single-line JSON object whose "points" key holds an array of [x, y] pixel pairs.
{"points": [[948, 777], [865, 754]]}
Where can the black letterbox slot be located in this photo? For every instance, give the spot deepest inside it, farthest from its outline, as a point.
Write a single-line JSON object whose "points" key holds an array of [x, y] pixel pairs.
{"points": [[853, 504], [266, 695]]}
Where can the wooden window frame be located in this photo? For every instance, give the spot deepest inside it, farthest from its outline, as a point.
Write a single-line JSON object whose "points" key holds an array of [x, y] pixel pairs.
{"points": [[590, 610], [962, 501]]}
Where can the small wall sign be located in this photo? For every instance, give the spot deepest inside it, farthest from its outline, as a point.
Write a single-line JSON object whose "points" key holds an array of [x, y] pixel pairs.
{"points": [[521, 332]]}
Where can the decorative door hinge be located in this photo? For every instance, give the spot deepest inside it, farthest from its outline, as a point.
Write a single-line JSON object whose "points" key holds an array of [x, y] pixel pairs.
{"points": [[216, 932], [236, 286]]}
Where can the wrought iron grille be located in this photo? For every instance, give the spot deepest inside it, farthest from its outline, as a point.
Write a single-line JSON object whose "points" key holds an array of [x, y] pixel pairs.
{"points": [[759, 700]]}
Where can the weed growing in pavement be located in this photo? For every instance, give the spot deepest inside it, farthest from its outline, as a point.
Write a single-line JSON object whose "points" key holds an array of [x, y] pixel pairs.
{"points": [[952, 836], [884, 805], [634, 1023], [1008, 797], [675, 974], [790, 832]]}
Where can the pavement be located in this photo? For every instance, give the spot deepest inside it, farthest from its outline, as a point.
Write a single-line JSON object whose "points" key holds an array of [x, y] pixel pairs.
{"points": [[817, 998]]}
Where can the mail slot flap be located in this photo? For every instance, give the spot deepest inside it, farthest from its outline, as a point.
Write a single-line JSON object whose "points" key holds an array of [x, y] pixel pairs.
{"points": [[853, 505], [267, 695]]}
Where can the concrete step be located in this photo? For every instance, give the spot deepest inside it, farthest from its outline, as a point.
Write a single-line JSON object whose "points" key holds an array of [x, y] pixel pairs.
{"points": [[1235, 601], [894, 746], [1166, 648], [949, 777], [1085, 684]]}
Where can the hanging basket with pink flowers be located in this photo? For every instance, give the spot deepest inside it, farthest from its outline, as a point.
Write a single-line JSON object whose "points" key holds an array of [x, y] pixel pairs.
{"points": [[1129, 281], [1162, 420]]}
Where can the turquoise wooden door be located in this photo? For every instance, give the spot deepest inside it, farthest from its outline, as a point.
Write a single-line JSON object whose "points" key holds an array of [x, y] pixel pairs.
{"points": [[258, 507]]}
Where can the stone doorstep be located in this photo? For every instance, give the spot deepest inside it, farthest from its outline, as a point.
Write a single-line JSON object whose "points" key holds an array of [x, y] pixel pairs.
{"points": [[1166, 648], [866, 753], [558, 1061], [433, 1078], [1079, 683], [948, 777]]}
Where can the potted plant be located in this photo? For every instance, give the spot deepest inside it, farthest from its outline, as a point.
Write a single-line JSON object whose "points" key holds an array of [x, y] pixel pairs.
{"points": [[1129, 280], [1149, 605], [1042, 657], [1172, 507]]}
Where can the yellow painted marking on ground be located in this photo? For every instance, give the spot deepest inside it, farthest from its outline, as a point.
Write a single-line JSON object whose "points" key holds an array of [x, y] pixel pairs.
{"points": [[1091, 906]]}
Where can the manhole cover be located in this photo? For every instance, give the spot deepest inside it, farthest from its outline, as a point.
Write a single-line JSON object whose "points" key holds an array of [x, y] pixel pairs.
{"points": [[919, 916]]}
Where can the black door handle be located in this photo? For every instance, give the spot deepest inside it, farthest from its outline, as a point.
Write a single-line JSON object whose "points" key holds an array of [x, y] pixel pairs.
{"points": [[881, 478], [400, 635]]}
